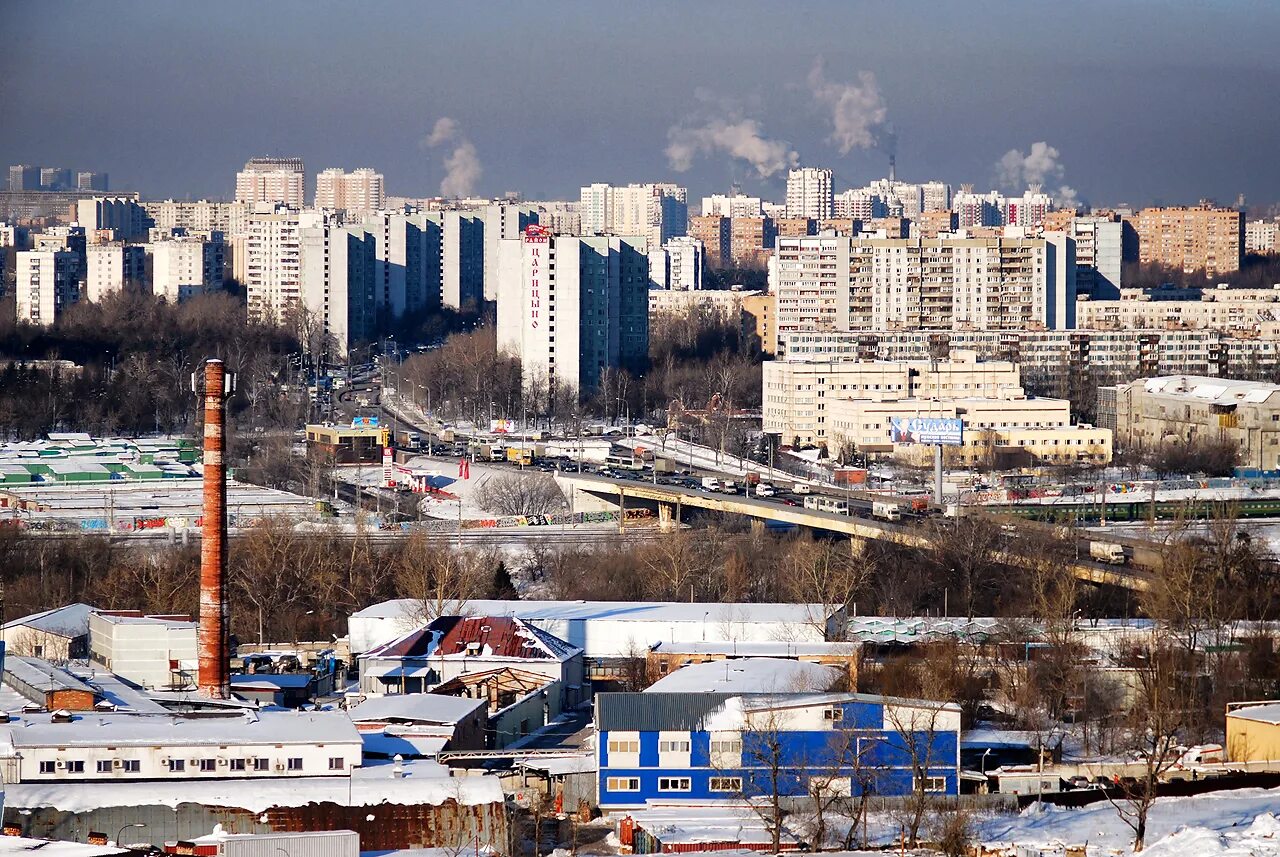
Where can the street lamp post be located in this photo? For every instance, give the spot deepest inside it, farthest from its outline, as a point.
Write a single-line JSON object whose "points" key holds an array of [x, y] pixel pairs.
{"points": [[125, 827]]}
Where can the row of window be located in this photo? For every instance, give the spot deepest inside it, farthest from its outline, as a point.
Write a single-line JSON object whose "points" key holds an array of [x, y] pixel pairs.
{"points": [[134, 766], [731, 785], [674, 746]]}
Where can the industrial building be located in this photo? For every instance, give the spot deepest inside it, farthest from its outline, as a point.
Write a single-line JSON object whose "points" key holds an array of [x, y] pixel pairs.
{"points": [[1253, 731], [722, 747], [156, 652]]}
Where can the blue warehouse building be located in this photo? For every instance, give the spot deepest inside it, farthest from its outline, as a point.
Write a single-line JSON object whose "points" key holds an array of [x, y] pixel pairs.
{"points": [[701, 747]]}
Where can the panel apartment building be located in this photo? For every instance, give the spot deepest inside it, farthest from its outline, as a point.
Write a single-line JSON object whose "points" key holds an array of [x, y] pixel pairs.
{"points": [[951, 282], [1202, 237], [571, 308]]}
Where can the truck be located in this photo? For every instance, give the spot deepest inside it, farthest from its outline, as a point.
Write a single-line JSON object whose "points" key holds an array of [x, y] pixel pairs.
{"points": [[710, 483], [764, 489], [729, 487], [886, 511], [520, 455], [409, 439], [1107, 552], [800, 488]]}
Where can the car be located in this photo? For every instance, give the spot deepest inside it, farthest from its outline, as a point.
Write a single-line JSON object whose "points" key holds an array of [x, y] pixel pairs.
{"points": [[786, 501]]}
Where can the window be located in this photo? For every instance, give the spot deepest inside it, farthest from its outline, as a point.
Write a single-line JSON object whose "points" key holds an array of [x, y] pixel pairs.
{"points": [[622, 784], [261, 764], [76, 766], [726, 784], [237, 764], [673, 746], [624, 746], [674, 784], [726, 746], [337, 763], [931, 784], [208, 764], [47, 767], [834, 714], [176, 765], [295, 763], [132, 766], [104, 766]]}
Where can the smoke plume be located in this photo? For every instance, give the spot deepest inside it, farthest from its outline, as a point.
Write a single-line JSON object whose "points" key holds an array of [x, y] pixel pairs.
{"points": [[1041, 166], [462, 165], [739, 139], [857, 110]]}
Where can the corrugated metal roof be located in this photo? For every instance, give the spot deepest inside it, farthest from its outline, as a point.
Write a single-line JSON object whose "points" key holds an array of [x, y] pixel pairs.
{"points": [[652, 712]]}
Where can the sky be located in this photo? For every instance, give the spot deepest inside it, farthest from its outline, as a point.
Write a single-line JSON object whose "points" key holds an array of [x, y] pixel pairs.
{"points": [[1131, 102]]}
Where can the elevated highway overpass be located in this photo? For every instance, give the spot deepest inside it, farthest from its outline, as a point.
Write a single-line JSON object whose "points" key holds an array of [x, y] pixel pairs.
{"points": [[587, 491]]}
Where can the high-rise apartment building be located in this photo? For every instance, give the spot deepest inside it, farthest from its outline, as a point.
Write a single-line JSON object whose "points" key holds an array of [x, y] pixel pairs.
{"points": [[184, 267], [751, 241], [1099, 256], [271, 269], [462, 260], [809, 193], [571, 308], [202, 215], [714, 233], [1191, 239], [503, 221], [272, 181], [45, 284], [339, 282], [110, 266], [55, 178], [407, 256], [738, 205], [676, 265], [23, 177], [838, 283], [655, 212], [974, 209], [126, 216], [1028, 210], [88, 180], [1260, 236], [563, 217], [935, 196], [360, 190], [859, 204]]}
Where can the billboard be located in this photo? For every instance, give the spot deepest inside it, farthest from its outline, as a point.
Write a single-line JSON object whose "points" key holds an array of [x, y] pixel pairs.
{"points": [[364, 422], [945, 431], [502, 426]]}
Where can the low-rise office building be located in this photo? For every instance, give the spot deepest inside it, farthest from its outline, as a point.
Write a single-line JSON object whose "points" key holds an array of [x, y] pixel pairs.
{"points": [[151, 651]]}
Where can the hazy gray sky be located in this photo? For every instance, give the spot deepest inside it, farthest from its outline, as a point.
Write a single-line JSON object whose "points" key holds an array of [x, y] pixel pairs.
{"points": [[1141, 100]]}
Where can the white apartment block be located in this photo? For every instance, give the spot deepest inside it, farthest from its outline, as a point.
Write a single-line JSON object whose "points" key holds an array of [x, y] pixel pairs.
{"points": [[45, 284], [859, 204], [124, 215], [202, 215], [1261, 236], [407, 261], [935, 196], [654, 212], [272, 265], [1245, 311], [797, 395], [339, 282], [1027, 210], [809, 193], [361, 190], [677, 265], [1099, 256], [951, 282], [572, 308], [561, 217], [187, 266], [109, 266], [273, 181], [978, 209], [503, 221], [738, 205], [462, 260]]}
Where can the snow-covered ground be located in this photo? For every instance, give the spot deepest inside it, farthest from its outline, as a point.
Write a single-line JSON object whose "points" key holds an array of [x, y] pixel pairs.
{"points": [[1237, 823]]}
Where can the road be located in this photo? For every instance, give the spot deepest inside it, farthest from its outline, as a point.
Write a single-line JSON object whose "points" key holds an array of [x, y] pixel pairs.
{"points": [[568, 733]]}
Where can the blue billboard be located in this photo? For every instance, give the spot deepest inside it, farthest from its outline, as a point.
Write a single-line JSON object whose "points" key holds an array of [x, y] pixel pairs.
{"points": [[944, 431]]}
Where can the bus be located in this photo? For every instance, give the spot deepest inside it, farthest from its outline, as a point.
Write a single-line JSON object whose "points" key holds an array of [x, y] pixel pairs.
{"points": [[624, 461], [824, 503]]}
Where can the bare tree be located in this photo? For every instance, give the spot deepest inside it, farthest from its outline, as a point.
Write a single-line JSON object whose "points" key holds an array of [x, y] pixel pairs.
{"points": [[438, 577], [521, 494], [917, 729]]}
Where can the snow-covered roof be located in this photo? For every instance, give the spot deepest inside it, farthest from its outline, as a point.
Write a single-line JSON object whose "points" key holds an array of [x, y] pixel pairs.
{"points": [[756, 648], [479, 636], [635, 611], [150, 730], [71, 620], [422, 783], [415, 707], [1259, 713], [1221, 391], [21, 846], [748, 675], [559, 766], [166, 621]]}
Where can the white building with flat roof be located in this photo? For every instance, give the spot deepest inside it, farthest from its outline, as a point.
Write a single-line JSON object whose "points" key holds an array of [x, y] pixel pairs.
{"points": [[360, 190], [45, 284], [153, 651], [184, 267], [809, 193], [657, 211], [677, 265], [108, 267], [275, 181]]}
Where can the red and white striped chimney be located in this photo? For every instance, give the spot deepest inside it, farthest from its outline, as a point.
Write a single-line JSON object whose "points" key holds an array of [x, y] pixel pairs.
{"points": [[214, 679]]}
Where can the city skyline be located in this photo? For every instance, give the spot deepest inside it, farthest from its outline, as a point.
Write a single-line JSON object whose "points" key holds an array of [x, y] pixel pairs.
{"points": [[1134, 104]]}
